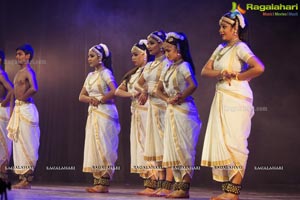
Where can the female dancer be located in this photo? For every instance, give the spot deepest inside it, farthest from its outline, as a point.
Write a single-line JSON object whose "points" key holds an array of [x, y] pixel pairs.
{"points": [[140, 56], [147, 84], [182, 122], [102, 127], [225, 146]]}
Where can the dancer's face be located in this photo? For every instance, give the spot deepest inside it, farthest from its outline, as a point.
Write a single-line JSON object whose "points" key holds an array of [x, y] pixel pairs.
{"points": [[153, 46], [171, 52], [22, 58], [138, 58], [93, 59], [226, 31]]}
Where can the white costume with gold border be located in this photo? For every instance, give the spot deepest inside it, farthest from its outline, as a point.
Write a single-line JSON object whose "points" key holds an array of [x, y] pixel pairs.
{"points": [[182, 123], [102, 127], [23, 129], [137, 129], [225, 146], [156, 111]]}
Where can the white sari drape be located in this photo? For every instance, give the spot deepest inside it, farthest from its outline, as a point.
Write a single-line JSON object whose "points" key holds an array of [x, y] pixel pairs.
{"points": [[137, 130], [182, 124], [101, 140], [156, 111]]}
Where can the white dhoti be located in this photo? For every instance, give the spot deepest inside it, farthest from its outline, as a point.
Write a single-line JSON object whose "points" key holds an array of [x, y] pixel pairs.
{"points": [[101, 140], [5, 142], [23, 129], [182, 129], [225, 146]]}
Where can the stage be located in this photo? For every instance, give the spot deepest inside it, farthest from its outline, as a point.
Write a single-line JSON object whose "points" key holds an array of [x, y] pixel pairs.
{"points": [[129, 192]]}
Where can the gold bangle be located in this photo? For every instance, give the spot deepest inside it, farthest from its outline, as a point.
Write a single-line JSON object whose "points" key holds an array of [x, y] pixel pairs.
{"points": [[221, 77], [236, 77]]}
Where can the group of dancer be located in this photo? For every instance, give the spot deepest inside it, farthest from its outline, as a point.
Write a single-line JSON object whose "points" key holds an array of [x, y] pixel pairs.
{"points": [[165, 123]]}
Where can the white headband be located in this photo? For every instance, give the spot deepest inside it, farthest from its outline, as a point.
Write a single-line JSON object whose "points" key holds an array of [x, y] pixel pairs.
{"points": [[143, 42], [236, 13], [233, 15], [155, 36], [175, 35], [97, 48]]}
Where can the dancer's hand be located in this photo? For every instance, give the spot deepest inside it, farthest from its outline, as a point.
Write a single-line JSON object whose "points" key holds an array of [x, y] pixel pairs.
{"points": [[135, 94], [94, 101], [143, 98], [171, 100], [226, 76], [175, 99], [179, 98]]}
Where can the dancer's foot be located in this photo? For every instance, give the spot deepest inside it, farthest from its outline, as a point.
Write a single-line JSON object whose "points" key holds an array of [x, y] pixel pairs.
{"points": [[161, 193], [226, 196], [178, 194], [146, 191], [23, 184], [97, 189]]}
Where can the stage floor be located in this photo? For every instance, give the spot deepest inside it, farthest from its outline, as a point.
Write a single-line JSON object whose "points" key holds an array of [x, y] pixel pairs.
{"points": [[51, 192]]}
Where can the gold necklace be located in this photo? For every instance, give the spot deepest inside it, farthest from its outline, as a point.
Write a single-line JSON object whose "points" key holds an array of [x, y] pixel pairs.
{"points": [[174, 67], [220, 54], [154, 65], [130, 83], [94, 81]]}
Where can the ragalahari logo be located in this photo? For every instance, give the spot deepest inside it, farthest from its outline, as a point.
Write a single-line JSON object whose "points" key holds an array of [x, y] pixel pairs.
{"points": [[272, 9], [236, 6]]}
